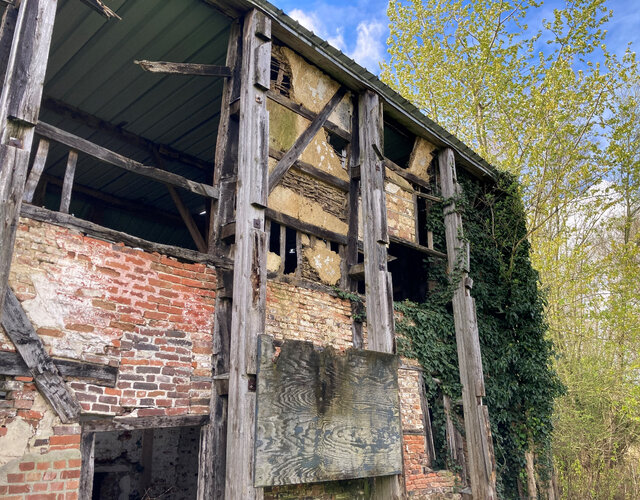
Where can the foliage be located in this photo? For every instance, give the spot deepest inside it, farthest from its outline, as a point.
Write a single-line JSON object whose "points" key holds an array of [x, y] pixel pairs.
{"points": [[521, 386]]}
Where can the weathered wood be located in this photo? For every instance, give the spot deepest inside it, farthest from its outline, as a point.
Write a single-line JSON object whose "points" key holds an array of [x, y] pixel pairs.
{"points": [[419, 248], [314, 172], [117, 160], [101, 9], [304, 139], [184, 68], [305, 227], [213, 437], [250, 276], [7, 30], [187, 219], [419, 181], [116, 131], [455, 440], [532, 488], [44, 371], [12, 364], [482, 467], [24, 71], [87, 451], [426, 422], [67, 186], [308, 114], [379, 291], [325, 415], [93, 423], [36, 170], [104, 233]]}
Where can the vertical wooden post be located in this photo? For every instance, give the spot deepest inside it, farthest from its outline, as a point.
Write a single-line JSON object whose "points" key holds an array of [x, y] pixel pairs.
{"points": [[250, 270], [36, 171], [213, 438], [67, 185], [87, 449], [482, 467], [379, 292], [25, 65]]}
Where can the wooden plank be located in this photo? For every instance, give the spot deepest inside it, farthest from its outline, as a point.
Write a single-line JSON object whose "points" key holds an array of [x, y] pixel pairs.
{"points": [[482, 467], [13, 162], [305, 227], [7, 30], [188, 219], [419, 181], [102, 9], [104, 233], [93, 423], [87, 456], [117, 160], [419, 248], [165, 151], [308, 114], [36, 170], [184, 68], [67, 186], [304, 139], [379, 290], [426, 422], [12, 364], [325, 415], [250, 274], [314, 172], [42, 368]]}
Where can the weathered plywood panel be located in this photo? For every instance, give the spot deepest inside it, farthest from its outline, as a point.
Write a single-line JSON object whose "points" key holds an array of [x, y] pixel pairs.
{"points": [[325, 415]]}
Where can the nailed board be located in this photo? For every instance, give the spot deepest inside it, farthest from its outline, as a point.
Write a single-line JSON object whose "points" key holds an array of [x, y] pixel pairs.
{"points": [[324, 415]]}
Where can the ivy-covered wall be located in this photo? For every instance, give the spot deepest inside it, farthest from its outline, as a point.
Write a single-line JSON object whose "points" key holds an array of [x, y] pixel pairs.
{"points": [[520, 382]]}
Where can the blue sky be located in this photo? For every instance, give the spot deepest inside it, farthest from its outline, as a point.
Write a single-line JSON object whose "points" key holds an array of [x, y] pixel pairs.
{"points": [[360, 28]]}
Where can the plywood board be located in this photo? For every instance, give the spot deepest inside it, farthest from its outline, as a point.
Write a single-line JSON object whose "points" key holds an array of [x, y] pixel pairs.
{"points": [[325, 415]]}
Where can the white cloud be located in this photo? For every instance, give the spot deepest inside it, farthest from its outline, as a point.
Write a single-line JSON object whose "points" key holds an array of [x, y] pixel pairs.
{"points": [[370, 45], [308, 20]]}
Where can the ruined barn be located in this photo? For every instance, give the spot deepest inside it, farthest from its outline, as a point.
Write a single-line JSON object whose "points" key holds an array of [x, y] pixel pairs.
{"points": [[197, 197]]}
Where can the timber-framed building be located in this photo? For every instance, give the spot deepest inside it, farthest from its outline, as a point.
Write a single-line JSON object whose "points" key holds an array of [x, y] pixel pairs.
{"points": [[194, 197]]}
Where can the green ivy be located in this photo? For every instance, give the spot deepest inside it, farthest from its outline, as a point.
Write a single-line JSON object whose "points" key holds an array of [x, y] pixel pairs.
{"points": [[520, 382]]}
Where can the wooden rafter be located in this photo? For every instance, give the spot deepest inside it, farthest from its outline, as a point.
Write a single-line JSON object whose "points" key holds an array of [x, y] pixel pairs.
{"points": [[193, 69], [304, 139], [44, 371], [101, 9]]}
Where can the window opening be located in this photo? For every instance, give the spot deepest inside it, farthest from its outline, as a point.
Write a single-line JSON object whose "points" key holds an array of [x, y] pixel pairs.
{"points": [[291, 251]]}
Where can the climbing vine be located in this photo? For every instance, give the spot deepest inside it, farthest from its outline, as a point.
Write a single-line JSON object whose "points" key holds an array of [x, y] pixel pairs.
{"points": [[520, 383]]}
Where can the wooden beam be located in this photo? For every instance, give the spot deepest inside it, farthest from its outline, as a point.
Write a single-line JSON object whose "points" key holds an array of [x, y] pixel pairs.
{"points": [[314, 172], [87, 452], [184, 68], [95, 423], [42, 368], [67, 186], [250, 272], [482, 466], [12, 364], [419, 248], [7, 30], [164, 150], [379, 290], [304, 139], [402, 172], [213, 437], [308, 114], [101, 9], [117, 160], [104, 233], [305, 227], [188, 219], [36, 170], [24, 68]]}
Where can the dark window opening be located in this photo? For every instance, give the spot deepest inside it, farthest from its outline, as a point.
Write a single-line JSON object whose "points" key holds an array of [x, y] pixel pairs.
{"points": [[280, 73], [340, 146], [274, 238], [423, 213], [398, 143], [335, 247], [291, 251], [147, 463], [410, 273]]}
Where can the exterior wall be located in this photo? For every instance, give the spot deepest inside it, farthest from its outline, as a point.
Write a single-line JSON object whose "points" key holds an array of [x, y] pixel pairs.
{"points": [[91, 300]]}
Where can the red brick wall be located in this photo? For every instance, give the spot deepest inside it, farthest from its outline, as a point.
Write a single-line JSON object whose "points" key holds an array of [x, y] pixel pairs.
{"points": [[91, 300]]}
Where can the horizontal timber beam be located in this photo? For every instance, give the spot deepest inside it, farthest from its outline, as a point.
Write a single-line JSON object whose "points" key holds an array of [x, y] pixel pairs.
{"points": [[305, 227], [419, 248], [92, 423], [314, 172], [117, 160], [12, 364], [164, 150], [193, 69], [104, 233]]}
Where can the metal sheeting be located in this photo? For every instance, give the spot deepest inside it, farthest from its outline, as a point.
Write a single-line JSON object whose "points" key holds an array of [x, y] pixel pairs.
{"points": [[91, 68]]}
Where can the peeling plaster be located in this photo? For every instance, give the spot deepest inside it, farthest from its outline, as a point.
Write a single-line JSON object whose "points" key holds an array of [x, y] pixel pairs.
{"points": [[324, 261]]}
